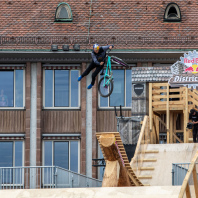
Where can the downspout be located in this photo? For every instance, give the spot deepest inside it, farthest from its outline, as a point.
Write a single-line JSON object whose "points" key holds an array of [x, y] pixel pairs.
{"points": [[89, 21]]}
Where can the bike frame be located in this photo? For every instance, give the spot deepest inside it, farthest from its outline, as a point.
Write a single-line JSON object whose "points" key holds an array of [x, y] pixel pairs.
{"points": [[106, 83]]}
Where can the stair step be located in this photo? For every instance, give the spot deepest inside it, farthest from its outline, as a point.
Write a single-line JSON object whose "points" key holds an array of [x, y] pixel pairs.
{"points": [[146, 168], [145, 177], [149, 160], [152, 151]]}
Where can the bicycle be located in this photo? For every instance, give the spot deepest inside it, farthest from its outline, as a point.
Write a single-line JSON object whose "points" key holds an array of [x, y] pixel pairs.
{"points": [[105, 85]]}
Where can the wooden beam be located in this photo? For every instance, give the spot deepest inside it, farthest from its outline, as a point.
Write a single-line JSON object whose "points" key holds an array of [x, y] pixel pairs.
{"points": [[162, 122], [174, 126], [158, 129], [188, 195], [195, 181], [171, 127], [150, 106], [175, 136], [186, 116], [157, 114], [156, 138], [167, 115]]}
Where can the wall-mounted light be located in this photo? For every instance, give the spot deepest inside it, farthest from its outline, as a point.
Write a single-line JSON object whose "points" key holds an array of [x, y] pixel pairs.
{"points": [[76, 47], [54, 47], [65, 47]]}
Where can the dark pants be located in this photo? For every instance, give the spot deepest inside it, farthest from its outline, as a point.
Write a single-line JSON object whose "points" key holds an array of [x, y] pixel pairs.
{"points": [[95, 73], [195, 133]]}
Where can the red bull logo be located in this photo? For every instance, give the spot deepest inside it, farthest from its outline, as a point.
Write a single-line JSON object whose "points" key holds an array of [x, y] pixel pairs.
{"points": [[192, 69]]}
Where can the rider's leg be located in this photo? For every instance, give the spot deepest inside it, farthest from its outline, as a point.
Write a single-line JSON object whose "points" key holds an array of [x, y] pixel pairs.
{"points": [[89, 68], [95, 73]]}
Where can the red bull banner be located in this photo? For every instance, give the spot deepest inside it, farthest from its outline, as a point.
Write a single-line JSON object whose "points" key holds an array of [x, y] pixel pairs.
{"points": [[185, 71]]}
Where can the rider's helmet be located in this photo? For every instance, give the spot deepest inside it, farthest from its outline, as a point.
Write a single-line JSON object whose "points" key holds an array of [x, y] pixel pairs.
{"points": [[96, 46]]}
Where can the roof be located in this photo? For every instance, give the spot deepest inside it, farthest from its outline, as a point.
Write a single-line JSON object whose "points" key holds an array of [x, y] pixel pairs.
{"points": [[151, 74], [128, 24]]}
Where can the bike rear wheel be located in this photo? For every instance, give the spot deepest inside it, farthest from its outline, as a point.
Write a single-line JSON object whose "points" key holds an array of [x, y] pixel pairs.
{"points": [[119, 61], [106, 90]]}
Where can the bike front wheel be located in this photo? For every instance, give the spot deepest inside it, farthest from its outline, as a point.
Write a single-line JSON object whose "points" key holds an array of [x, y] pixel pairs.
{"points": [[105, 87]]}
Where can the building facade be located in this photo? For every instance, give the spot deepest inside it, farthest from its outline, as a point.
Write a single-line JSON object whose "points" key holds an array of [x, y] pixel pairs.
{"points": [[47, 117]]}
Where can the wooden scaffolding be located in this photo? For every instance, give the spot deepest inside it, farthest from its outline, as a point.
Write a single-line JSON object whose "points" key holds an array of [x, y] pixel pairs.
{"points": [[173, 103]]}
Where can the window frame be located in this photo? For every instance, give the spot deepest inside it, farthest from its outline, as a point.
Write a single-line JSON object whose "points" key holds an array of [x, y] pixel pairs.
{"points": [[166, 19], [13, 150], [53, 97], [109, 107], [66, 19], [14, 107], [69, 145]]}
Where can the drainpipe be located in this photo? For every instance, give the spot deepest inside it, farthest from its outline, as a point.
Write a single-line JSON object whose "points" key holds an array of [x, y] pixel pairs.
{"points": [[89, 21], [33, 124], [89, 128]]}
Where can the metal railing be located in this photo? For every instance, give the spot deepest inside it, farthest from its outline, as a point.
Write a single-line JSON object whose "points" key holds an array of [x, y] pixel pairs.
{"points": [[43, 177], [179, 171]]}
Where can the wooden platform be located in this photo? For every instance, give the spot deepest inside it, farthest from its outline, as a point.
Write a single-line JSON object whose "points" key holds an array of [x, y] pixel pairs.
{"points": [[122, 153], [171, 102]]}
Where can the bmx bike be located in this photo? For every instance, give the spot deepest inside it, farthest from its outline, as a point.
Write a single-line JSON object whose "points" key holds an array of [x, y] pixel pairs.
{"points": [[105, 85]]}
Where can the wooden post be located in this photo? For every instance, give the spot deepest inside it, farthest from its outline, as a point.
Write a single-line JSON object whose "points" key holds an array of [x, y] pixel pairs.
{"points": [[195, 181], [167, 115], [186, 116], [150, 111], [171, 127], [174, 125], [157, 128]]}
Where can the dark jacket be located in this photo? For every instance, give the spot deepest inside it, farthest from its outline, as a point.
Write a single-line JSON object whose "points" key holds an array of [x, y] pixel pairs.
{"points": [[194, 118], [100, 56]]}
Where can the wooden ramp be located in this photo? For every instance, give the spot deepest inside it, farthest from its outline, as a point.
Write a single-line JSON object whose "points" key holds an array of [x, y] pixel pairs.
{"points": [[115, 152]]}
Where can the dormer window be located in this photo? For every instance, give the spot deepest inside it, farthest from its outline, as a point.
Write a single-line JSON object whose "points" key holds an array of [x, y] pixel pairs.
{"points": [[63, 13], [172, 13]]}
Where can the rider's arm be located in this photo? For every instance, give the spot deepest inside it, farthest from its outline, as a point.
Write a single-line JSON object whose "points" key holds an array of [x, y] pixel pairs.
{"points": [[105, 48], [94, 59]]}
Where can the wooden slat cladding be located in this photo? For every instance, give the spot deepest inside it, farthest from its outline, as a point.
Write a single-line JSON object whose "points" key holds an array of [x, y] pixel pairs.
{"points": [[61, 121], [106, 120], [12, 121]]}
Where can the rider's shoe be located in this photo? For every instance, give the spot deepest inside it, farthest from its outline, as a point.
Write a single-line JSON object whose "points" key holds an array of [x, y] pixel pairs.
{"points": [[90, 86], [79, 78]]}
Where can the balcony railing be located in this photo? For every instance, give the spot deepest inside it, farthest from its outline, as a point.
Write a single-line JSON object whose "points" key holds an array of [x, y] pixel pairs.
{"points": [[43, 177]]}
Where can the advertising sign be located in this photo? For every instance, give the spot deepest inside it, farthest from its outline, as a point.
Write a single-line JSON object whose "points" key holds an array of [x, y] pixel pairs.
{"points": [[185, 71], [138, 89]]}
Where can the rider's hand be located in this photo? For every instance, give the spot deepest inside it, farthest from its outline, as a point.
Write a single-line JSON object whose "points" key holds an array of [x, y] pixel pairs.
{"points": [[110, 47], [101, 63]]}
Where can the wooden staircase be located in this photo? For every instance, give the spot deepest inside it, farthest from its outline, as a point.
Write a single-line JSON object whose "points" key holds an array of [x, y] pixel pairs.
{"points": [[146, 170], [122, 153]]}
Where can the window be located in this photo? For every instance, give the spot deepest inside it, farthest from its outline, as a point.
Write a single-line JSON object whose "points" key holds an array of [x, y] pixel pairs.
{"points": [[11, 155], [100, 168], [64, 154], [172, 13], [121, 94], [63, 13], [61, 89], [12, 88]]}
